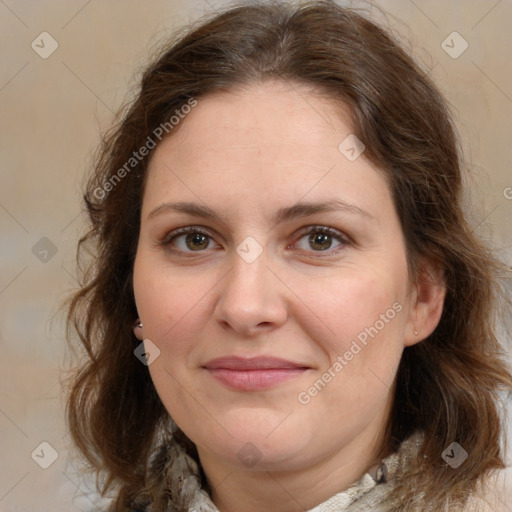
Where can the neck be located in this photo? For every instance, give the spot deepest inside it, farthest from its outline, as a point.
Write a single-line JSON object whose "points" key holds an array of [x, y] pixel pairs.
{"points": [[291, 490]]}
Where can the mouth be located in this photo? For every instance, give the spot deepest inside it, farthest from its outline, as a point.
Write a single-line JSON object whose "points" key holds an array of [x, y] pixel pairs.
{"points": [[254, 373]]}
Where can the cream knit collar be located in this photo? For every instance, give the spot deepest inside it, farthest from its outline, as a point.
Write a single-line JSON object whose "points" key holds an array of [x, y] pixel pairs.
{"points": [[174, 483]]}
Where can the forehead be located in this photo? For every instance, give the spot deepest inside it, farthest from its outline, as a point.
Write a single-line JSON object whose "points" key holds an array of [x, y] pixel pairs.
{"points": [[270, 141], [271, 114]]}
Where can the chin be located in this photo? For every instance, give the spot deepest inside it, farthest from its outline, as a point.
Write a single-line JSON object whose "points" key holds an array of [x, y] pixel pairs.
{"points": [[259, 441]]}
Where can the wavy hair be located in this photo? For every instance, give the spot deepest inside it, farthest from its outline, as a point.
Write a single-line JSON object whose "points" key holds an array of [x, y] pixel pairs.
{"points": [[447, 386]]}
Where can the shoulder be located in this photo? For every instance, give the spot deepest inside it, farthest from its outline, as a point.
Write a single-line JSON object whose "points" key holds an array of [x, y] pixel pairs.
{"points": [[496, 495]]}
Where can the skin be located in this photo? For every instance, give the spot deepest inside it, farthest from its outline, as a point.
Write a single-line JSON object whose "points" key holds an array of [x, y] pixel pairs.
{"points": [[247, 154]]}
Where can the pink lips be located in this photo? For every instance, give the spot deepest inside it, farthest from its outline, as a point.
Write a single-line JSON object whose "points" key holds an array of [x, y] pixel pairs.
{"points": [[254, 373]]}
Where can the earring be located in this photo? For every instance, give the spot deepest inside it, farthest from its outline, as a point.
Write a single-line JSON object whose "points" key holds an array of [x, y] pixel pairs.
{"points": [[138, 323], [415, 332]]}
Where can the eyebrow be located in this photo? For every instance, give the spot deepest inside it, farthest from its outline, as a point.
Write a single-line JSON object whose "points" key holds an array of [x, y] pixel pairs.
{"points": [[298, 210]]}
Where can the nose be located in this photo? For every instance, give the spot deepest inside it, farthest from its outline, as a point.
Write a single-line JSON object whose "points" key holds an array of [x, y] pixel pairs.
{"points": [[251, 300]]}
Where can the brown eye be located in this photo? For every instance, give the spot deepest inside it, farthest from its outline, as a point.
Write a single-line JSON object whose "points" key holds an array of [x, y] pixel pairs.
{"points": [[197, 241], [322, 238], [188, 240], [320, 241]]}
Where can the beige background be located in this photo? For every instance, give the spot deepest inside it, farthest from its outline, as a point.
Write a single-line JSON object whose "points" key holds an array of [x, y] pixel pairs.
{"points": [[52, 112]]}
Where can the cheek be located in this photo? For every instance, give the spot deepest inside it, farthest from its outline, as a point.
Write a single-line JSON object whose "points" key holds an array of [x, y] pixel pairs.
{"points": [[351, 304], [173, 307], [361, 319], [176, 306], [167, 297]]}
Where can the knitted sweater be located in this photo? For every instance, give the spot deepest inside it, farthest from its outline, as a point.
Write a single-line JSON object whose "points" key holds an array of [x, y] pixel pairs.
{"points": [[174, 485]]}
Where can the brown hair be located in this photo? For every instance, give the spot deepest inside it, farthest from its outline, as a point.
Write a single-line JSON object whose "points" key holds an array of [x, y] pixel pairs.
{"points": [[446, 385]]}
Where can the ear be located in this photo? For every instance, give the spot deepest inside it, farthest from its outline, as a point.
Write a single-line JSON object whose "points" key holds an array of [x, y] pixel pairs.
{"points": [[427, 301], [137, 330]]}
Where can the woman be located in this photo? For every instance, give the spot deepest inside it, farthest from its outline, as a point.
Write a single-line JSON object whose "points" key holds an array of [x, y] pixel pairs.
{"points": [[287, 309]]}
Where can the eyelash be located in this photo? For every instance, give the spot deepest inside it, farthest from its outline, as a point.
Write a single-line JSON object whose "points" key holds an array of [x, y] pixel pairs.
{"points": [[340, 237]]}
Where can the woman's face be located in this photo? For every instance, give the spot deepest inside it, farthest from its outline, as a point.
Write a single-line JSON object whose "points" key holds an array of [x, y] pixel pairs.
{"points": [[271, 274]]}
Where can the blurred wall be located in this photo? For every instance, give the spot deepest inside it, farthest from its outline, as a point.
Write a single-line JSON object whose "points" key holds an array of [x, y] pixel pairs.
{"points": [[53, 107]]}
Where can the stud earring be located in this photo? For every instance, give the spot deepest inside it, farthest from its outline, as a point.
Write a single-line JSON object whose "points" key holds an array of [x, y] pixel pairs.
{"points": [[138, 323], [415, 332]]}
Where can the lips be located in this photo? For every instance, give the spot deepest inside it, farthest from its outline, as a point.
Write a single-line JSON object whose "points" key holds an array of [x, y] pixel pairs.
{"points": [[246, 374], [254, 363]]}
